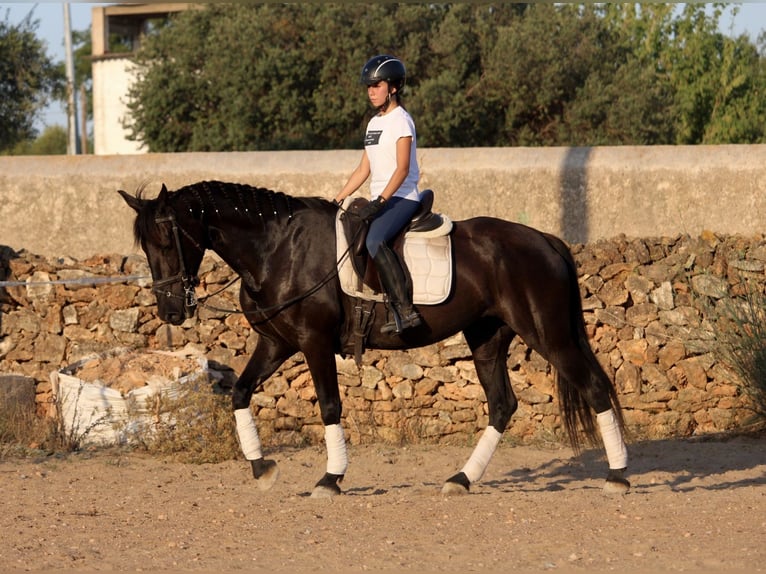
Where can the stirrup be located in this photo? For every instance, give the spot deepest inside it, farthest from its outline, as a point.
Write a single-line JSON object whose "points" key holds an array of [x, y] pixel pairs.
{"points": [[399, 324]]}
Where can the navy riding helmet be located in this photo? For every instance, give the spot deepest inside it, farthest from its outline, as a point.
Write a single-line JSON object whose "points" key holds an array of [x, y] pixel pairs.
{"points": [[384, 68]]}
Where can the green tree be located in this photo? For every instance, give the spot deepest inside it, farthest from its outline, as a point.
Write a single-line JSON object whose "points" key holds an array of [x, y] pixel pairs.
{"points": [[739, 109], [450, 107], [537, 67], [625, 96], [245, 77], [28, 79], [53, 141], [339, 102], [718, 82], [694, 53], [285, 76], [222, 79]]}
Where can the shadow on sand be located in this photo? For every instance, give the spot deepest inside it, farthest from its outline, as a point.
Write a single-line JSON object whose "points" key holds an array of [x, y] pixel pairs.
{"points": [[683, 464]]}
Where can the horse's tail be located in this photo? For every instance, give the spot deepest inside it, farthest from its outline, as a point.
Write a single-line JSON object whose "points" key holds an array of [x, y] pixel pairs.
{"points": [[576, 412]]}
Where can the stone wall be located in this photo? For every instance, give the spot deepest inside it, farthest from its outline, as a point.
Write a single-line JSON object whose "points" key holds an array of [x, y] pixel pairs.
{"points": [[650, 309]]}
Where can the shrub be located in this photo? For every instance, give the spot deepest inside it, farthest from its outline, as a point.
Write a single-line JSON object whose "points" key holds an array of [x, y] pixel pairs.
{"points": [[741, 343], [195, 425], [22, 431]]}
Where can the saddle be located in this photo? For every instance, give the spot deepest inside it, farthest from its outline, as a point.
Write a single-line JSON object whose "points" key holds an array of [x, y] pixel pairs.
{"points": [[426, 239]]}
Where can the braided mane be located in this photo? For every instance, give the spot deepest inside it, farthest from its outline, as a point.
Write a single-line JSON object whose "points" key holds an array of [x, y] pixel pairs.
{"points": [[257, 205], [208, 200]]}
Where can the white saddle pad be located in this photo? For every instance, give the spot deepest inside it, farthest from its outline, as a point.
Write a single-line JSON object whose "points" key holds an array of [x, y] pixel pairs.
{"points": [[428, 259]]}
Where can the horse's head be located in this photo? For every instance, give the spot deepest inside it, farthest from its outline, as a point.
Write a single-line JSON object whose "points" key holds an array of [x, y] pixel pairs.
{"points": [[174, 252]]}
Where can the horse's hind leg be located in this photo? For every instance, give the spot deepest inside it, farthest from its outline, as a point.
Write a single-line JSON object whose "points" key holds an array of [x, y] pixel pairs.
{"points": [[489, 341], [584, 384]]}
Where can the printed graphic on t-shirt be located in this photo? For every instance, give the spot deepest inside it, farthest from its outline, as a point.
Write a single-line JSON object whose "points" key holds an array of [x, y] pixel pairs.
{"points": [[372, 137]]}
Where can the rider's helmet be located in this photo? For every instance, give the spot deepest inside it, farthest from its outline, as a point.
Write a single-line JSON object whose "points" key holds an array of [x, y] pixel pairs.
{"points": [[384, 68]]}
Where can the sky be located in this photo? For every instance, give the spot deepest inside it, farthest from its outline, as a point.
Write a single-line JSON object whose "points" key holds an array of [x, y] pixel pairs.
{"points": [[751, 20], [51, 30]]}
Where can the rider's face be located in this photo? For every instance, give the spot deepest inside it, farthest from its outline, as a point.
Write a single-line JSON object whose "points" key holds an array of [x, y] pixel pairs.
{"points": [[377, 93]]}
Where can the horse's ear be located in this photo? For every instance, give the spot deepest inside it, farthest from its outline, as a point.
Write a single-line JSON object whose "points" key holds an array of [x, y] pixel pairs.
{"points": [[131, 200], [163, 193]]}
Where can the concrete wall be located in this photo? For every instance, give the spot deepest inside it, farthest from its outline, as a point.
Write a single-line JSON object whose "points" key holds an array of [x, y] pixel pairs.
{"points": [[69, 205]]}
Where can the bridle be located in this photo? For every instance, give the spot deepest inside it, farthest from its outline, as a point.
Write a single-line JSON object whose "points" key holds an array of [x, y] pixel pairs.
{"points": [[188, 281]]}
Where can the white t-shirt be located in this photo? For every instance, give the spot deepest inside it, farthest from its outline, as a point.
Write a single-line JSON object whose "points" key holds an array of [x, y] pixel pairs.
{"points": [[380, 144]]}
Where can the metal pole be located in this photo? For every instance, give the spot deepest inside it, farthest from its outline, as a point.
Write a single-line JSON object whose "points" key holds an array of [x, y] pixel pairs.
{"points": [[83, 120], [72, 140]]}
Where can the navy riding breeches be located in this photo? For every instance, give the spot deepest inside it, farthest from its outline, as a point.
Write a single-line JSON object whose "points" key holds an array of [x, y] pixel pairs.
{"points": [[396, 213]]}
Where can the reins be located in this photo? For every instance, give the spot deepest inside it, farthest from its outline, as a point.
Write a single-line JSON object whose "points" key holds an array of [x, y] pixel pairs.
{"points": [[189, 282], [277, 307]]}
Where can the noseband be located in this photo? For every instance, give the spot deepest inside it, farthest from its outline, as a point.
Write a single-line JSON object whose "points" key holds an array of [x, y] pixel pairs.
{"points": [[189, 282]]}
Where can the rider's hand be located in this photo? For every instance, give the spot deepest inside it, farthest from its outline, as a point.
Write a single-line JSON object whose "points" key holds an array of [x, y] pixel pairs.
{"points": [[369, 211]]}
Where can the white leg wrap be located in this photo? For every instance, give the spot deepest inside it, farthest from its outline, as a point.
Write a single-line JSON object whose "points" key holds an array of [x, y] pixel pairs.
{"points": [[482, 454], [337, 456], [616, 451], [248, 434]]}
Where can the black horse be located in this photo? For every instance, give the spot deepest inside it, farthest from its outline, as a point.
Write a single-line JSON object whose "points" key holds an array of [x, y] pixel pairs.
{"points": [[509, 280]]}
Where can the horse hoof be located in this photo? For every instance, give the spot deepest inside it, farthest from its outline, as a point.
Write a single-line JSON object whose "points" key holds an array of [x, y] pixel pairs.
{"points": [[265, 473], [616, 483], [327, 487], [451, 489], [458, 484], [321, 491]]}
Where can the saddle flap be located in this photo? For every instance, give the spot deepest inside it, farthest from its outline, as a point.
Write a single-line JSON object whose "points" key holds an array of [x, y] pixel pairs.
{"points": [[354, 231]]}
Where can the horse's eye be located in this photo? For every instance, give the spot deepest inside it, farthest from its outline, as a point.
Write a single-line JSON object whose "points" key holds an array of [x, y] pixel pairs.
{"points": [[162, 240]]}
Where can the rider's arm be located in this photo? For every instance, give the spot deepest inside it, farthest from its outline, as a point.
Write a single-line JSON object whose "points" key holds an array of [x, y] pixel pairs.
{"points": [[356, 179]]}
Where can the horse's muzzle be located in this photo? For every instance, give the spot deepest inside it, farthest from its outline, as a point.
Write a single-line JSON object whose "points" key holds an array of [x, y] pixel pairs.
{"points": [[189, 311], [175, 317]]}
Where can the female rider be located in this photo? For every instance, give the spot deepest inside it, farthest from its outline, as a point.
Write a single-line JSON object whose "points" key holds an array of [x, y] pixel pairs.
{"points": [[389, 160]]}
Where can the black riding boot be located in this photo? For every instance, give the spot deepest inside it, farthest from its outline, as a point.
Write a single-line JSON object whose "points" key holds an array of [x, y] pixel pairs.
{"points": [[395, 284]]}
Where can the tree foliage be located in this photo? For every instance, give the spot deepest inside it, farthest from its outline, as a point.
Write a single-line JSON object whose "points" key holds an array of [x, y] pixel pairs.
{"points": [[53, 141], [286, 76], [28, 79]]}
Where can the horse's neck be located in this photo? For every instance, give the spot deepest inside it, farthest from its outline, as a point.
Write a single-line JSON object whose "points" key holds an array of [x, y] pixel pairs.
{"points": [[255, 206], [259, 233]]}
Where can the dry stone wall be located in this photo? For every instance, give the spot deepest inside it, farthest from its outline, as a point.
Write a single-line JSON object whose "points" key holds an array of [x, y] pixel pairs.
{"points": [[651, 311]]}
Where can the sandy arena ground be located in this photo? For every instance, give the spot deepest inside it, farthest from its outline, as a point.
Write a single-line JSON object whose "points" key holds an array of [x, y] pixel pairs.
{"points": [[695, 505]]}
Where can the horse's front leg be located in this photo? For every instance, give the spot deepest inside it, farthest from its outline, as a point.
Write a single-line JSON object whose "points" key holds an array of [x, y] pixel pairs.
{"points": [[265, 360], [325, 376]]}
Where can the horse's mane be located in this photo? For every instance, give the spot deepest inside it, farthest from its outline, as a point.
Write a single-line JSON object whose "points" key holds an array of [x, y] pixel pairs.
{"points": [[216, 199], [232, 199]]}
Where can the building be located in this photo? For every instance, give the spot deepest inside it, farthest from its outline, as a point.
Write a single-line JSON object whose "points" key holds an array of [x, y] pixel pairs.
{"points": [[116, 34]]}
